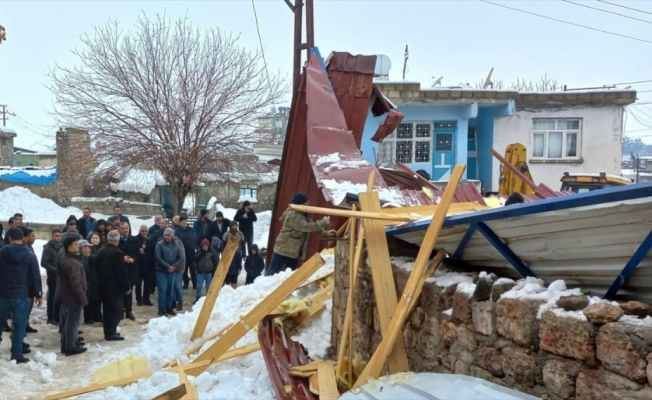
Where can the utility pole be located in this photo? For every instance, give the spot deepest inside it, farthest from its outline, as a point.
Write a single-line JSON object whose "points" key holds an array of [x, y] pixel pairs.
{"points": [[5, 114], [637, 164], [407, 56], [299, 45]]}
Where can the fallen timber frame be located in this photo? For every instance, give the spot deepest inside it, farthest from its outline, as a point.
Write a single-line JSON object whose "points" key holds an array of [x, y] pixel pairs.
{"points": [[478, 221]]}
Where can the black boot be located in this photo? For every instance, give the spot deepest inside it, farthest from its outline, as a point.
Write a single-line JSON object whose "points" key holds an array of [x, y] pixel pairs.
{"points": [[180, 306]]}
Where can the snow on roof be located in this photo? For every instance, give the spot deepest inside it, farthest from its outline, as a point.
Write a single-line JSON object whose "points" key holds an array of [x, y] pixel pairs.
{"points": [[7, 129], [45, 153], [263, 178], [632, 173], [31, 171]]}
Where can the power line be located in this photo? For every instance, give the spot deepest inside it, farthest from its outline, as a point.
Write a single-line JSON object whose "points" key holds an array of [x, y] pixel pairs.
{"points": [[606, 11], [260, 40], [631, 83], [620, 5], [566, 22]]}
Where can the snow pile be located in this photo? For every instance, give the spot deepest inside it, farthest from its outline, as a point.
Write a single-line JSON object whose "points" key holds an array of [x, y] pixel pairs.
{"points": [[534, 288], [34, 208], [442, 277], [339, 189], [244, 377]]}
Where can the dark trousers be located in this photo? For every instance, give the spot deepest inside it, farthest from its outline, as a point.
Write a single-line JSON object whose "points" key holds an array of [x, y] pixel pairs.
{"points": [[250, 278], [53, 306], [190, 274], [280, 263], [231, 279], [144, 285], [247, 242], [70, 313], [113, 308], [93, 311], [128, 300]]}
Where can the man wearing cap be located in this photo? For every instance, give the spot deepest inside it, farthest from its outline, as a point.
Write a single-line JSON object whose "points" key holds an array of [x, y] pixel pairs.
{"points": [[246, 217], [292, 241], [19, 275], [114, 284], [73, 286], [202, 227], [169, 262]]}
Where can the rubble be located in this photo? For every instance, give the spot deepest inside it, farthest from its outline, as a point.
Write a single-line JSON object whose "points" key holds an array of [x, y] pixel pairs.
{"points": [[603, 313]]}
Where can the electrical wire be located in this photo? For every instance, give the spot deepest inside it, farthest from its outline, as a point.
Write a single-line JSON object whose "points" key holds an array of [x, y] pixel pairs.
{"points": [[566, 22], [260, 40], [607, 11], [620, 5], [631, 83]]}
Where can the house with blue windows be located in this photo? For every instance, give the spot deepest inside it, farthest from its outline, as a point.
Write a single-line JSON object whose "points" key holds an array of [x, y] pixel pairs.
{"points": [[571, 131]]}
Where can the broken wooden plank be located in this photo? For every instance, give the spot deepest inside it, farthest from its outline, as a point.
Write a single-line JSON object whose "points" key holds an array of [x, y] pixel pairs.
{"points": [[431, 209], [191, 390], [391, 334], [98, 386], [347, 329], [261, 310], [382, 276], [327, 383], [375, 215], [216, 285], [175, 393]]}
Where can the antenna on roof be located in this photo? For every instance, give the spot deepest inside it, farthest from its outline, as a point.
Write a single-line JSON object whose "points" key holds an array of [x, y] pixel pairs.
{"points": [[488, 82], [407, 56], [438, 81], [383, 65]]}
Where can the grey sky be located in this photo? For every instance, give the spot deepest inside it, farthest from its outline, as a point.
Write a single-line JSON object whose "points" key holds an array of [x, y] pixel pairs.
{"points": [[459, 40]]}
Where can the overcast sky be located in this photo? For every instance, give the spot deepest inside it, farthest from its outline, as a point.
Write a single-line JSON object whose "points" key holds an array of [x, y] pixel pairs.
{"points": [[459, 40]]}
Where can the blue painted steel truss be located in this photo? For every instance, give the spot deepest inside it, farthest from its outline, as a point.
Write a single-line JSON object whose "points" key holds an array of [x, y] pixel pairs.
{"points": [[629, 268], [498, 244]]}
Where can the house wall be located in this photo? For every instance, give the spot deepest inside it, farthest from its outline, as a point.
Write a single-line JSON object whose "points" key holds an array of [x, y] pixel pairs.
{"points": [[460, 114], [46, 161], [505, 342], [600, 143], [228, 193], [25, 160]]}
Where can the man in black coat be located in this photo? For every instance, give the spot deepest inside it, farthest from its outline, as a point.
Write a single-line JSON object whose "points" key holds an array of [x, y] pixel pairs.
{"points": [[188, 237], [245, 217], [220, 226], [130, 247], [145, 267], [49, 263], [112, 273]]}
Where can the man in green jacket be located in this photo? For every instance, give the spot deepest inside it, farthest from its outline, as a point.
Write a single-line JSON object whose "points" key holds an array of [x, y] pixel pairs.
{"points": [[292, 241]]}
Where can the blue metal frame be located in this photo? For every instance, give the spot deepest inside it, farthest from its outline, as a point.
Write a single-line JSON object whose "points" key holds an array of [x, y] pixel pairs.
{"points": [[629, 268], [609, 195], [502, 247], [465, 240]]}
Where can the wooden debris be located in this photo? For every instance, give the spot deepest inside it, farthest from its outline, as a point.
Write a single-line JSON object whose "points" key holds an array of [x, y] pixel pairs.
{"points": [[375, 215], [191, 390], [175, 393], [414, 284], [195, 347], [382, 275], [216, 285], [261, 310], [96, 387], [327, 383], [431, 209]]}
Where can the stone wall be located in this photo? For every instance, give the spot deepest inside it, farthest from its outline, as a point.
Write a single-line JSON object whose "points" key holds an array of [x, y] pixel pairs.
{"points": [[47, 191], [554, 357], [228, 193], [75, 163]]}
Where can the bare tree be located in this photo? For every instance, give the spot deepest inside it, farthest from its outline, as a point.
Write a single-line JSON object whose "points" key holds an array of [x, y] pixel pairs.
{"points": [[3, 34], [168, 97], [544, 84]]}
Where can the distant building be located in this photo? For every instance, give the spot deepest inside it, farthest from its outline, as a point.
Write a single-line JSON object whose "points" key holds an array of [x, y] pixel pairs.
{"points": [[31, 158], [270, 134], [569, 131]]}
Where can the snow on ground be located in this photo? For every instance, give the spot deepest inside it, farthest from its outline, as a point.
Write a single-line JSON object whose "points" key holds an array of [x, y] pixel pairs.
{"points": [[243, 377], [36, 209]]}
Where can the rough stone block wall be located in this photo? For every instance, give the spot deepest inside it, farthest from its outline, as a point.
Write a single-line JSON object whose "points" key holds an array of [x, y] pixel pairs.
{"points": [[75, 163], [553, 357], [228, 193], [105, 206]]}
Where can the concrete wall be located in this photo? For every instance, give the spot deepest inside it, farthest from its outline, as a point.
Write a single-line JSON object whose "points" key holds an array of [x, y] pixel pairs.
{"points": [[105, 206], [554, 357], [600, 144]]}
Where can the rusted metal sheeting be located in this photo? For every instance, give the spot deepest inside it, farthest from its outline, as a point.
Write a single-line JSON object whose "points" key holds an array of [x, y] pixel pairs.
{"points": [[386, 128], [332, 150], [351, 80], [281, 354]]}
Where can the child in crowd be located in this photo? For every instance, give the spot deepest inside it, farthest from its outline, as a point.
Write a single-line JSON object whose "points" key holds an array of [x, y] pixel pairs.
{"points": [[206, 260], [254, 265]]}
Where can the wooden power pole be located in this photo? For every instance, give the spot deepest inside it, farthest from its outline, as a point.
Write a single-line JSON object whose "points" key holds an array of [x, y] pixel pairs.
{"points": [[299, 44]]}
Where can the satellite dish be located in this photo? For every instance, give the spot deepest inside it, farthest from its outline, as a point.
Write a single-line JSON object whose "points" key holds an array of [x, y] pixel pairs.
{"points": [[383, 65]]}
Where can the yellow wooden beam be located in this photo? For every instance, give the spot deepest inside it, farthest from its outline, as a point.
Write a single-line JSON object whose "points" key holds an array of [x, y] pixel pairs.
{"points": [[327, 383], [382, 275], [195, 347], [99, 386], [216, 285], [414, 284], [338, 212], [286, 288], [175, 393], [431, 209]]}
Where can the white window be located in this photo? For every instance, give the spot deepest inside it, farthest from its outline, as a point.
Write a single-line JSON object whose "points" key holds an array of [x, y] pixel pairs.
{"points": [[248, 190], [410, 143], [556, 139]]}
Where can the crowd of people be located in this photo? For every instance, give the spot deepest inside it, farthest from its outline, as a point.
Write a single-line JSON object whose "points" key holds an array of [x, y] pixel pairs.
{"points": [[95, 268]]}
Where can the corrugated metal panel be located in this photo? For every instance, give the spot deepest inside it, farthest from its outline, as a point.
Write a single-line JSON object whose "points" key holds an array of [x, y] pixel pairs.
{"points": [[281, 354], [353, 89]]}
